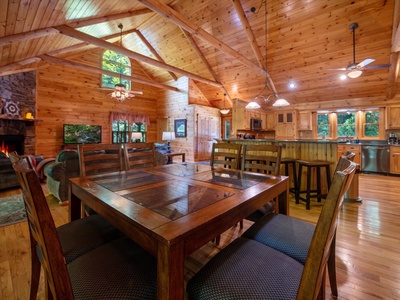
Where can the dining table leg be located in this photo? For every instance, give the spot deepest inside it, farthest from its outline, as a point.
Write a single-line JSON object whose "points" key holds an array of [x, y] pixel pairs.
{"points": [[170, 271], [74, 207]]}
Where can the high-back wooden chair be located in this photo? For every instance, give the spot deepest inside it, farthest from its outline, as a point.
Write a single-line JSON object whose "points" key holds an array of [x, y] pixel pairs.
{"points": [[226, 155], [124, 267], [261, 158], [139, 155], [250, 269], [100, 158]]}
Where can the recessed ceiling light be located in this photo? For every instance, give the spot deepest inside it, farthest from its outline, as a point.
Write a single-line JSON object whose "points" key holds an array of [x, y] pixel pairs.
{"points": [[292, 85], [343, 77]]}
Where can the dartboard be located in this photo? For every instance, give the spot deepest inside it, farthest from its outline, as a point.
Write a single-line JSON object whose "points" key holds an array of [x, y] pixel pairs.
{"points": [[11, 109]]}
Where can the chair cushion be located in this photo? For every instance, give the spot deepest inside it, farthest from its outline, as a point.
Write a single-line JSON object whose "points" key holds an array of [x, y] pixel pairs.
{"points": [[116, 270], [83, 235], [247, 269], [283, 233]]}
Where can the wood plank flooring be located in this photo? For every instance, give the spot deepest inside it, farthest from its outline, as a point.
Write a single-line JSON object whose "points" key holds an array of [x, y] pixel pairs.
{"points": [[368, 244]]}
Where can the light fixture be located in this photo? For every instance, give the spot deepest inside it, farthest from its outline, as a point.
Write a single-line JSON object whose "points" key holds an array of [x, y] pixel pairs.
{"points": [[343, 77], [279, 102], [168, 136], [224, 111], [354, 73], [136, 136], [120, 93]]}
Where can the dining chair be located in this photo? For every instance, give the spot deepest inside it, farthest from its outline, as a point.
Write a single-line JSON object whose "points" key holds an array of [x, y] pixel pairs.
{"points": [[139, 155], [249, 269], [100, 158], [265, 159], [116, 269], [226, 155], [293, 236], [76, 238]]}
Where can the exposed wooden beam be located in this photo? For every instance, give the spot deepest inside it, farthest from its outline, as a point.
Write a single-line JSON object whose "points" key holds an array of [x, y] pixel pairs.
{"points": [[105, 45], [176, 18], [56, 52], [249, 33], [24, 36], [153, 51], [205, 61], [201, 93], [83, 67]]}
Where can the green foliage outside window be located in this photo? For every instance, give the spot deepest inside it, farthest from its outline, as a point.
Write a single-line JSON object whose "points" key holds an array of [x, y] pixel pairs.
{"points": [[371, 125], [121, 131], [346, 125], [323, 125], [140, 127], [115, 62]]}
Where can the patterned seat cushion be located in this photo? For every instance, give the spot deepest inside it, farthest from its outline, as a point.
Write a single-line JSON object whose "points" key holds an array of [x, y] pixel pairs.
{"points": [[247, 269], [83, 235], [283, 233], [126, 271]]}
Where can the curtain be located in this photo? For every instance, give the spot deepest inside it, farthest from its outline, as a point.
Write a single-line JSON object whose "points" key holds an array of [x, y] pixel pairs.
{"points": [[132, 118]]}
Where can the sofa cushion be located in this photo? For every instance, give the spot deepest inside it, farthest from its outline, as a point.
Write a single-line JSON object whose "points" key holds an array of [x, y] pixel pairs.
{"points": [[65, 155]]}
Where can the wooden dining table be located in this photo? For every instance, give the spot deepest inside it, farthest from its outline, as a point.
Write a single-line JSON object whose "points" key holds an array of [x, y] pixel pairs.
{"points": [[173, 210]]}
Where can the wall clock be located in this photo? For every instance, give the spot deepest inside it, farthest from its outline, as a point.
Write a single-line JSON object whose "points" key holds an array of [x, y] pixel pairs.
{"points": [[11, 109]]}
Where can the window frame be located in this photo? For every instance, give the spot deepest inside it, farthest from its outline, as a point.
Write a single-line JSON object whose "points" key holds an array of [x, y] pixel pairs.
{"points": [[127, 70], [124, 136]]}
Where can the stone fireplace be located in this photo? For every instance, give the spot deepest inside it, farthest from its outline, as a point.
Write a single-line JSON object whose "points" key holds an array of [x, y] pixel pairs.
{"points": [[17, 135]]}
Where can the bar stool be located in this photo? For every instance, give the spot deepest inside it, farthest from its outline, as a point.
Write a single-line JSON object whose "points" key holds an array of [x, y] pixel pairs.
{"points": [[288, 161], [316, 193]]}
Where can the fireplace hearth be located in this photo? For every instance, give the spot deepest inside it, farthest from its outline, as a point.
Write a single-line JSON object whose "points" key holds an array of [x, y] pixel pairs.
{"points": [[11, 143]]}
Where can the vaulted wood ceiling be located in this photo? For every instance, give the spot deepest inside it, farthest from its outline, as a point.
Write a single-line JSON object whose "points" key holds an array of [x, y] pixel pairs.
{"points": [[225, 46]]}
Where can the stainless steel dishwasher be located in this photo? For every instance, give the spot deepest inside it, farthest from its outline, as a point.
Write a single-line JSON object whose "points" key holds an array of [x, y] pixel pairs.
{"points": [[375, 157]]}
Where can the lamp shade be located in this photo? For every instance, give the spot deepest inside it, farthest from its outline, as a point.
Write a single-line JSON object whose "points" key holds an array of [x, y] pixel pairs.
{"points": [[354, 73], [253, 105], [136, 136], [281, 102], [224, 111], [168, 135]]}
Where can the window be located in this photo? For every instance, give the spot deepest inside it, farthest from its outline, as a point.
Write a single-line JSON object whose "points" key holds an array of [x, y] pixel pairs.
{"points": [[121, 131], [346, 124], [371, 124], [323, 125], [115, 62]]}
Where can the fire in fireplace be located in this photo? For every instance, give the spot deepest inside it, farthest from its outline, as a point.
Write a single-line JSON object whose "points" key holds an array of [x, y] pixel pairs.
{"points": [[11, 143]]}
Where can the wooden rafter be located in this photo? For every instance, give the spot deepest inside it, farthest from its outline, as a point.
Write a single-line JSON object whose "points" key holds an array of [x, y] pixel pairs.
{"points": [[103, 44], [205, 62], [249, 33], [176, 18], [83, 67], [153, 51], [24, 36]]}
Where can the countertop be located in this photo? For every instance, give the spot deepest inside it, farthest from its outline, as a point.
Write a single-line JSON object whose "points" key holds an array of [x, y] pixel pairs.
{"points": [[339, 142]]}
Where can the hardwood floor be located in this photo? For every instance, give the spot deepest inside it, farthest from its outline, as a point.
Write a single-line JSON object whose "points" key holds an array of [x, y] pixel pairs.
{"points": [[368, 243]]}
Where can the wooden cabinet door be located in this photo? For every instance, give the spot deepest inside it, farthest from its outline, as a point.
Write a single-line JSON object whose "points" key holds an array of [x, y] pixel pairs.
{"points": [[305, 120], [286, 125], [395, 159], [356, 149], [393, 117]]}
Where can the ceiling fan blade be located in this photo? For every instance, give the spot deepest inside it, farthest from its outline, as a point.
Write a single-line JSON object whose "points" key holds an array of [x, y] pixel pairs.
{"points": [[365, 62], [339, 69], [136, 92], [382, 66]]}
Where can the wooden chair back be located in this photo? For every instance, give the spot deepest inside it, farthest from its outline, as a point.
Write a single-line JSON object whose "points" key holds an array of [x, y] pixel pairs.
{"points": [[226, 155], [100, 158], [44, 237], [312, 284], [139, 155], [262, 158]]}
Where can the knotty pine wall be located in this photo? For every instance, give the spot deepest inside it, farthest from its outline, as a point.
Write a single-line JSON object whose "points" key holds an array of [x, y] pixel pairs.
{"points": [[69, 96]]}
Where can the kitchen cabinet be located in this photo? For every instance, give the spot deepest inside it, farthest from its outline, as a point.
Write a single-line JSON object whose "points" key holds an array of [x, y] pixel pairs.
{"points": [[240, 117], [394, 159], [393, 117], [356, 149], [285, 125], [305, 120], [268, 121]]}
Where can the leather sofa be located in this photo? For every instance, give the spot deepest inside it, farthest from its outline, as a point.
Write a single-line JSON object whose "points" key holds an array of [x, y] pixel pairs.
{"points": [[8, 178], [65, 166]]}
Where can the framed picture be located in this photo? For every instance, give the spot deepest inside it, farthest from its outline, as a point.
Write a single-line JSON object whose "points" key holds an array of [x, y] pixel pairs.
{"points": [[180, 128]]}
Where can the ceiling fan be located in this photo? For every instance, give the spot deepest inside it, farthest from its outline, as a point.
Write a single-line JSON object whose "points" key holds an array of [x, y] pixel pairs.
{"points": [[355, 69]]}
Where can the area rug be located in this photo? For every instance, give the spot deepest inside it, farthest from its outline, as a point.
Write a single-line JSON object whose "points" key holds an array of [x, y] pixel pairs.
{"points": [[12, 210]]}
